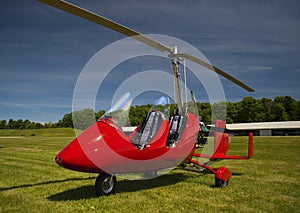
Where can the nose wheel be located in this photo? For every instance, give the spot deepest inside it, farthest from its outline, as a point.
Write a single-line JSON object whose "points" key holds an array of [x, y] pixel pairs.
{"points": [[105, 184]]}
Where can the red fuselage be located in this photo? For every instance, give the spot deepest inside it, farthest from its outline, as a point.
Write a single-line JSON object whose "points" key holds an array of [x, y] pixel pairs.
{"points": [[104, 148]]}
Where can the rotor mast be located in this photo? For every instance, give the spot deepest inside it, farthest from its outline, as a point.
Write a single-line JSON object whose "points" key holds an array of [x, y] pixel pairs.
{"points": [[177, 78]]}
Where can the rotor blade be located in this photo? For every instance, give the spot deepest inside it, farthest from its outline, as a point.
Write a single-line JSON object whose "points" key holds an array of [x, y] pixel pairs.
{"points": [[75, 10], [217, 70]]}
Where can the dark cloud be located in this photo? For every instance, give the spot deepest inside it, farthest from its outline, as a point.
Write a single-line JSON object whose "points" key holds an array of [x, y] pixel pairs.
{"points": [[43, 50]]}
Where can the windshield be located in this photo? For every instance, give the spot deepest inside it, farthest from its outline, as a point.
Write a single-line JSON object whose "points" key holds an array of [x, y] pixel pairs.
{"points": [[119, 111], [162, 104]]}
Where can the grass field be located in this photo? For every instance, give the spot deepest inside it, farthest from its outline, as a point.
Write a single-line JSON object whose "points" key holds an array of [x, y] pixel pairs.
{"points": [[30, 181]]}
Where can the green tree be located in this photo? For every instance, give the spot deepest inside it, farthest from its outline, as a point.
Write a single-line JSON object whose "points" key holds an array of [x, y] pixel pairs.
{"points": [[250, 110], [298, 112], [232, 112], [205, 112], [11, 124], [268, 105], [82, 119], [50, 125], [138, 113], [26, 124], [38, 125], [279, 113], [99, 114], [66, 121], [290, 105], [19, 124], [219, 111], [3, 124]]}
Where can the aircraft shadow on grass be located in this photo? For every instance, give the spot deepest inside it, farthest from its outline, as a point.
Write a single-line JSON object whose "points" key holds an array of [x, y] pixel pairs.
{"points": [[42, 183], [88, 191], [205, 171]]}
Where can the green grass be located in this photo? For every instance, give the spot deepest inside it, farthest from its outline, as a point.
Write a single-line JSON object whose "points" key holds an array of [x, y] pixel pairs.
{"points": [[30, 181], [51, 132]]}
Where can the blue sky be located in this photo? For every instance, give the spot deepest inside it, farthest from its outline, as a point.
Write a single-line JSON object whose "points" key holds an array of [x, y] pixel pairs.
{"points": [[43, 50]]}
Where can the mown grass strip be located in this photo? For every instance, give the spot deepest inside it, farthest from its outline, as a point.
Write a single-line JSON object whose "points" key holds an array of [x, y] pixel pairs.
{"points": [[30, 181]]}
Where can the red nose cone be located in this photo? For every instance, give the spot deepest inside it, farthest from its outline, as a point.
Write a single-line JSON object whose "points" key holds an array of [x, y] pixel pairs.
{"points": [[72, 157]]}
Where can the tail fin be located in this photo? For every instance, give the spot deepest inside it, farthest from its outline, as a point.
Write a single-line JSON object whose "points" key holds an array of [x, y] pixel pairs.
{"points": [[221, 144], [250, 145], [221, 140]]}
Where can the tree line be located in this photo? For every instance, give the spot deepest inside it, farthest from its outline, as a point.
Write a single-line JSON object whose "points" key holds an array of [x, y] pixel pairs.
{"points": [[249, 109]]}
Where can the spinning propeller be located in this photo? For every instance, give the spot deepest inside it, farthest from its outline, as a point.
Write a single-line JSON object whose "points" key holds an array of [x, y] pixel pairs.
{"points": [[73, 9]]}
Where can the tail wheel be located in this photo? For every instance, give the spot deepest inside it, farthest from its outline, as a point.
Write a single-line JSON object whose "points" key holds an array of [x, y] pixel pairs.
{"points": [[221, 183], [105, 184]]}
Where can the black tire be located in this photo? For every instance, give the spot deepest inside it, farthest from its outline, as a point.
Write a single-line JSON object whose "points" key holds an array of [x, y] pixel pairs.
{"points": [[220, 183], [105, 184]]}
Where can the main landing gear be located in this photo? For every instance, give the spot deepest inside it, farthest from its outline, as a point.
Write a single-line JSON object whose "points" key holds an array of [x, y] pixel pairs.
{"points": [[105, 184]]}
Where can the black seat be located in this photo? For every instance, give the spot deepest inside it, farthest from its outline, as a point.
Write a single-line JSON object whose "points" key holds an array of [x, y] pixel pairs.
{"points": [[147, 129], [176, 124]]}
